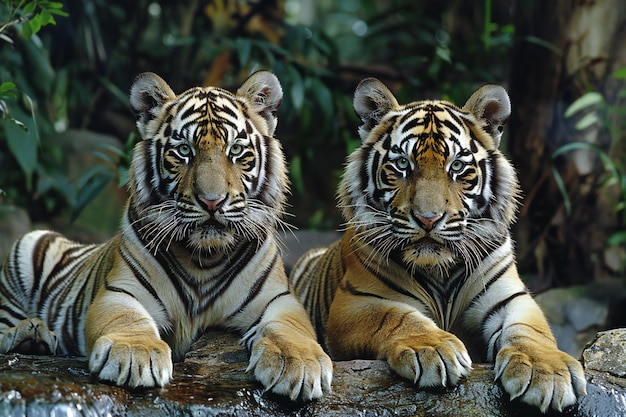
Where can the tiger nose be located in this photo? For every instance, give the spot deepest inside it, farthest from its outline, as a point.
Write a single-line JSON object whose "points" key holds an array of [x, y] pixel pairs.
{"points": [[211, 202], [427, 220]]}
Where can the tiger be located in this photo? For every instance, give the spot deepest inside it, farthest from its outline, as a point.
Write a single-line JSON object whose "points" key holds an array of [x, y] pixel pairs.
{"points": [[198, 247], [424, 275]]}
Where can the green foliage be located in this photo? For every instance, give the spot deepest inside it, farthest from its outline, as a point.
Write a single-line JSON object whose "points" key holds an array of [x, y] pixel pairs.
{"points": [[595, 111], [36, 14]]}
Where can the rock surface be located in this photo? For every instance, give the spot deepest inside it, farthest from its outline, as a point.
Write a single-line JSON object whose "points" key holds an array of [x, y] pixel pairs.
{"points": [[212, 382]]}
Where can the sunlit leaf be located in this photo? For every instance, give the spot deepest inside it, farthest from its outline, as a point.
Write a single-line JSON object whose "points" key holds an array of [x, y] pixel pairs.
{"points": [[617, 239], [46, 18], [7, 89], [586, 100], [29, 8], [620, 73], [587, 120], [35, 24]]}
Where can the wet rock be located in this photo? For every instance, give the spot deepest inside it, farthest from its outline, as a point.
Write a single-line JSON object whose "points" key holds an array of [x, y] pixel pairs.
{"points": [[607, 353], [212, 381]]}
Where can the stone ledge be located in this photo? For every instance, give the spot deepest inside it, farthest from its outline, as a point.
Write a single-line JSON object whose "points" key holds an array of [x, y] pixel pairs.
{"points": [[212, 381]]}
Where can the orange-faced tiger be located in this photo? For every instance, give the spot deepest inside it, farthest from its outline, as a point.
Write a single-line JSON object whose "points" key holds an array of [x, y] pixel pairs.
{"points": [[425, 269], [197, 248]]}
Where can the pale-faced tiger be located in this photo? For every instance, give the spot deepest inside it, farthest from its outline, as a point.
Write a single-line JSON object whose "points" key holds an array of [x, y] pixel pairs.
{"points": [[197, 248], [425, 269]]}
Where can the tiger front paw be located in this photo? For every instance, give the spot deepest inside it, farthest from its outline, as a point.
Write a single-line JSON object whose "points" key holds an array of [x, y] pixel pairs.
{"points": [[131, 360], [298, 369], [31, 336], [433, 359], [540, 376]]}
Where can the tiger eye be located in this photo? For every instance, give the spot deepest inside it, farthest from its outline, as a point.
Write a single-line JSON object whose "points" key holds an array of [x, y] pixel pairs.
{"points": [[402, 163], [457, 165], [236, 149], [184, 150]]}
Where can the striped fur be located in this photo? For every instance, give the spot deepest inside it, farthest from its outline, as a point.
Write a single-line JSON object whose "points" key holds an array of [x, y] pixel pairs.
{"points": [[197, 248], [425, 273]]}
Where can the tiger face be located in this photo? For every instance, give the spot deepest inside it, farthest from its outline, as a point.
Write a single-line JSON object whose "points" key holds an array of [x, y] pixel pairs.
{"points": [[208, 171], [428, 184]]}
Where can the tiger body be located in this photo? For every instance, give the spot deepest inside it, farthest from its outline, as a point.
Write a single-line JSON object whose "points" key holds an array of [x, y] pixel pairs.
{"points": [[425, 275], [197, 249]]}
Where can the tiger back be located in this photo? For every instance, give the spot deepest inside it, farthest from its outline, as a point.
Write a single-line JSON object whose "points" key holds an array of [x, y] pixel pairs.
{"points": [[425, 271], [197, 248]]}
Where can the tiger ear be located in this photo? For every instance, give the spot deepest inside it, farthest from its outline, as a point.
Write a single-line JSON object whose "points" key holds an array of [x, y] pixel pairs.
{"points": [[263, 91], [491, 104], [372, 100], [147, 92]]}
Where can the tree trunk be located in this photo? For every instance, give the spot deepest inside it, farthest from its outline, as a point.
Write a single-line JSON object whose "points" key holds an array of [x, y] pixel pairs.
{"points": [[564, 49]]}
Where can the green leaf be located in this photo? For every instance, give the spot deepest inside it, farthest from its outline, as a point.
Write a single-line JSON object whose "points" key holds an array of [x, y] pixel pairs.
{"points": [[59, 12], [586, 100], [587, 120], [123, 174], [243, 47], [297, 87], [27, 32], [40, 69], [35, 24], [620, 74], [295, 169], [23, 141], [323, 97], [563, 190], [90, 185], [46, 18], [54, 5], [29, 8], [7, 90], [617, 239], [55, 181]]}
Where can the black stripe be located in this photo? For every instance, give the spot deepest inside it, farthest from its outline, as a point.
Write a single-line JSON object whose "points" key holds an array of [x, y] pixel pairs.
{"points": [[243, 258], [348, 287], [387, 282], [39, 255], [502, 304], [140, 275], [258, 320], [451, 126], [256, 287], [489, 283]]}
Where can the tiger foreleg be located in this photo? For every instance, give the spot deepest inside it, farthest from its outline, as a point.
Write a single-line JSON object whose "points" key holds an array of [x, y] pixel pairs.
{"points": [[123, 343], [412, 344], [30, 336], [285, 355], [529, 364]]}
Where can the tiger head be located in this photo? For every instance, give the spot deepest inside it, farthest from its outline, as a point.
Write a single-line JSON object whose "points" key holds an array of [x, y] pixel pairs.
{"points": [[428, 184], [208, 172]]}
